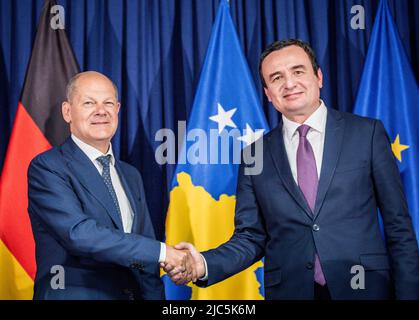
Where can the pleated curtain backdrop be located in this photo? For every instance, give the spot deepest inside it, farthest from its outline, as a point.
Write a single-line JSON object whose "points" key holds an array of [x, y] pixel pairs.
{"points": [[154, 49]]}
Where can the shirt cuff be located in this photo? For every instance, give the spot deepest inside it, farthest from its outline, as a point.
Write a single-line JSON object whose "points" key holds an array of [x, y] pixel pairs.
{"points": [[205, 277], [162, 257]]}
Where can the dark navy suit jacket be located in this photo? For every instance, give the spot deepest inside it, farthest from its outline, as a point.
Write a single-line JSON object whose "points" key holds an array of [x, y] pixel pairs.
{"points": [[272, 219], [76, 226]]}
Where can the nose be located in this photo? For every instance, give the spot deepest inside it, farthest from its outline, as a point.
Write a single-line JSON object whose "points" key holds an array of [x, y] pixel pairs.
{"points": [[100, 109], [289, 81]]}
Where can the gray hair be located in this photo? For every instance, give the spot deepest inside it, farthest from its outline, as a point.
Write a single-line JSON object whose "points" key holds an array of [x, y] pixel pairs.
{"points": [[72, 84]]}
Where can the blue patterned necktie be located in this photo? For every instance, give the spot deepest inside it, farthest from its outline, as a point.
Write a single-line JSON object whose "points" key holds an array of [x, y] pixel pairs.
{"points": [[308, 182], [106, 175]]}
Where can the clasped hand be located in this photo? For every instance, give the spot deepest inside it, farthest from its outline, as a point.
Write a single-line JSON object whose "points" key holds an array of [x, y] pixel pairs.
{"points": [[183, 263]]}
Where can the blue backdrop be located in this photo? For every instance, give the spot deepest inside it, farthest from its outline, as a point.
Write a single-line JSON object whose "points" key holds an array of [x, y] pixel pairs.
{"points": [[154, 50]]}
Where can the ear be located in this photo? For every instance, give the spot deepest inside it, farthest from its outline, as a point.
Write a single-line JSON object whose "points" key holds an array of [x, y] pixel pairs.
{"points": [[320, 77], [66, 111], [118, 107], [268, 95]]}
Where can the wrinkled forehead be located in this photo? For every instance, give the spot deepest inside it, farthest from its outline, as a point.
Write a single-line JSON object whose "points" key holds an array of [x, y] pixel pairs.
{"points": [[93, 84]]}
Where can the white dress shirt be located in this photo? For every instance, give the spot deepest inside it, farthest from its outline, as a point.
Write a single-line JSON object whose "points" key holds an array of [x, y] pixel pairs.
{"points": [[316, 134], [127, 214]]}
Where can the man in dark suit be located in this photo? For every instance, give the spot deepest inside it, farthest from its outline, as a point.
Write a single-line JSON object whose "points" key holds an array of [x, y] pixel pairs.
{"points": [[93, 232], [312, 212]]}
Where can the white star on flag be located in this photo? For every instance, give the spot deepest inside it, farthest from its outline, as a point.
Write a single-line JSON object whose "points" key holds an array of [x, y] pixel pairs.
{"points": [[251, 136], [223, 118]]}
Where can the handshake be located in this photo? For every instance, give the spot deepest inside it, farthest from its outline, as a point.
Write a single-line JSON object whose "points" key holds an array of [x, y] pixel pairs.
{"points": [[183, 263]]}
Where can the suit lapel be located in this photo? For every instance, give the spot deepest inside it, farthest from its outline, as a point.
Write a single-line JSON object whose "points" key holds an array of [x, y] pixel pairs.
{"points": [[89, 177], [279, 157], [335, 126]]}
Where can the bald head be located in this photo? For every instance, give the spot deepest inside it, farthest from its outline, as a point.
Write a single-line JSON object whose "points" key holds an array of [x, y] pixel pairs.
{"points": [[87, 75]]}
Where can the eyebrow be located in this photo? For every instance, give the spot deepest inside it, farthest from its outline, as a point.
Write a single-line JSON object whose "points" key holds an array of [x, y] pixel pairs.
{"points": [[107, 99], [298, 66]]}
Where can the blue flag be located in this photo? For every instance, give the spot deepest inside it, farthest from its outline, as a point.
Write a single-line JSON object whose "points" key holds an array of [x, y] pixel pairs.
{"points": [[226, 116], [389, 92]]}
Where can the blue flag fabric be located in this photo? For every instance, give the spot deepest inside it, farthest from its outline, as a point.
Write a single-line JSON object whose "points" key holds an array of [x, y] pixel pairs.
{"points": [[388, 91], [226, 116]]}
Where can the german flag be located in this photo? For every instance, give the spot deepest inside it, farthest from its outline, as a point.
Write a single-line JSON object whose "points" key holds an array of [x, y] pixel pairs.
{"points": [[38, 126]]}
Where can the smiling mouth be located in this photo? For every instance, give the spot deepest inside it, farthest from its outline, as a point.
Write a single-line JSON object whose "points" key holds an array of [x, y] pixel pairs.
{"points": [[292, 95], [98, 123]]}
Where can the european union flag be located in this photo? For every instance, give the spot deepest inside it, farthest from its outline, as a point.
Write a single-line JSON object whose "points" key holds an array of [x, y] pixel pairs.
{"points": [[226, 116], [389, 92]]}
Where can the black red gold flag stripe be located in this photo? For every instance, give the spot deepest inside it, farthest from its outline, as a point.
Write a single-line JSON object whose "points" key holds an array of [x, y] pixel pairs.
{"points": [[38, 126]]}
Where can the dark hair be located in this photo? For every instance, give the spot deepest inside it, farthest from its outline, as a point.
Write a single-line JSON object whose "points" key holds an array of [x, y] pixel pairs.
{"points": [[278, 45]]}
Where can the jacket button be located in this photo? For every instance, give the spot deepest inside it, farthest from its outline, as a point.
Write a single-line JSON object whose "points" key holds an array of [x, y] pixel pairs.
{"points": [[316, 227], [137, 266], [309, 265]]}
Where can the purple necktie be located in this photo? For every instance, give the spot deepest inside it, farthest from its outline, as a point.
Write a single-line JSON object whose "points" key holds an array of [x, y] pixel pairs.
{"points": [[308, 182]]}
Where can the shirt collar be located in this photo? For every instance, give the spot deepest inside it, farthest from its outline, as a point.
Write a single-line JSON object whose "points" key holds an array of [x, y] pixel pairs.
{"points": [[91, 152], [317, 121]]}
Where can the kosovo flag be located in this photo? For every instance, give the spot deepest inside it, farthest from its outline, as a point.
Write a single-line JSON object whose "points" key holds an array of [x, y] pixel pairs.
{"points": [[226, 116], [389, 92]]}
